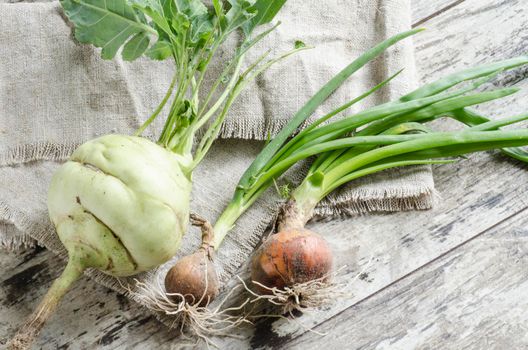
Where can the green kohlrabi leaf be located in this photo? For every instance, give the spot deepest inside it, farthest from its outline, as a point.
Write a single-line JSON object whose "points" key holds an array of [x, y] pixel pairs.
{"points": [[154, 9], [266, 10], [109, 24], [135, 47], [169, 8], [160, 50], [191, 8], [180, 24], [201, 28], [240, 13], [199, 17]]}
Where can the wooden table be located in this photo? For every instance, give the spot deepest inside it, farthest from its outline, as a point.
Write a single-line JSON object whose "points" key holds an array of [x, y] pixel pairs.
{"points": [[452, 277]]}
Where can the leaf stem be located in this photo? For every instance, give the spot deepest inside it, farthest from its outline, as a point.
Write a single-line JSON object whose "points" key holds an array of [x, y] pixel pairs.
{"points": [[275, 145], [444, 145], [153, 116]]}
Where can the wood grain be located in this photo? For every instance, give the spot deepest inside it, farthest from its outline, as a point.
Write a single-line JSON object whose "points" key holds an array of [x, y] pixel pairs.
{"points": [[90, 316], [424, 11], [471, 298], [476, 31]]}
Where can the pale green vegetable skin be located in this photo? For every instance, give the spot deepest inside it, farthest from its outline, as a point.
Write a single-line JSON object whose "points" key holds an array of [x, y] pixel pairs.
{"points": [[121, 204]]}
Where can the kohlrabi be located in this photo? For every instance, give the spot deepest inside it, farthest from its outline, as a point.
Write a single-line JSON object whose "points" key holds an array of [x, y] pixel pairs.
{"points": [[120, 204]]}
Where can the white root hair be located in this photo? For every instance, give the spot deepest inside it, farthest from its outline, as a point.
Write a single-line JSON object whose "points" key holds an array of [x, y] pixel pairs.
{"points": [[192, 320], [184, 311], [300, 296], [305, 296]]}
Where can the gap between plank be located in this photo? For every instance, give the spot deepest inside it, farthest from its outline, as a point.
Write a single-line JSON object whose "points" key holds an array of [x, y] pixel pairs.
{"points": [[442, 10], [525, 209]]}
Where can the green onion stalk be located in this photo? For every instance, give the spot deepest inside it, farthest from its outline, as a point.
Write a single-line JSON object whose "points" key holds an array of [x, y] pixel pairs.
{"points": [[293, 267], [292, 263], [390, 135], [120, 204], [194, 277]]}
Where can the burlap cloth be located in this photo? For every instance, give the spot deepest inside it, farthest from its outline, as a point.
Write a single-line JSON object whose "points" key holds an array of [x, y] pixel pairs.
{"points": [[56, 94]]}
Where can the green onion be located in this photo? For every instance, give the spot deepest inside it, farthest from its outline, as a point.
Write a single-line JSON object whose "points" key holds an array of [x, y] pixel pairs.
{"points": [[391, 135]]}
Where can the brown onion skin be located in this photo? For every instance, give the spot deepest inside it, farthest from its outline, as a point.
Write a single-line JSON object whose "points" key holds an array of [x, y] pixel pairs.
{"points": [[289, 257], [193, 276]]}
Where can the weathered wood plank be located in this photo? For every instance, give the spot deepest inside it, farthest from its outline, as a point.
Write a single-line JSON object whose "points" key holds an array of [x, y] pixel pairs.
{"points": [[90, 316], [16, 262], [473, 32], [471, 298], [423, 11]]}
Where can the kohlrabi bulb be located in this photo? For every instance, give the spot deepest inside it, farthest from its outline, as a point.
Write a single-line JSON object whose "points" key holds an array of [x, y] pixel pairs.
{"points": [[121, 204]]}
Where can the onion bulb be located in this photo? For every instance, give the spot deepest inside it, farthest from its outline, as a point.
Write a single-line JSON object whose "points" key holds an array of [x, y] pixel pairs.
{"points": [[194, 276], [291, 256]]}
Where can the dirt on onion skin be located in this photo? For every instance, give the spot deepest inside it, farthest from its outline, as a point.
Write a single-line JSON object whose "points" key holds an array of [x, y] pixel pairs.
{"points": [[193, 276], [291, 256]]}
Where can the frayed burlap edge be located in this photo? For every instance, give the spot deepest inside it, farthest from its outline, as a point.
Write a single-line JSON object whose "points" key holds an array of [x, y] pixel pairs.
{"points": [[365, 201], [36, 151], [11, 239], [244, 128]]}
